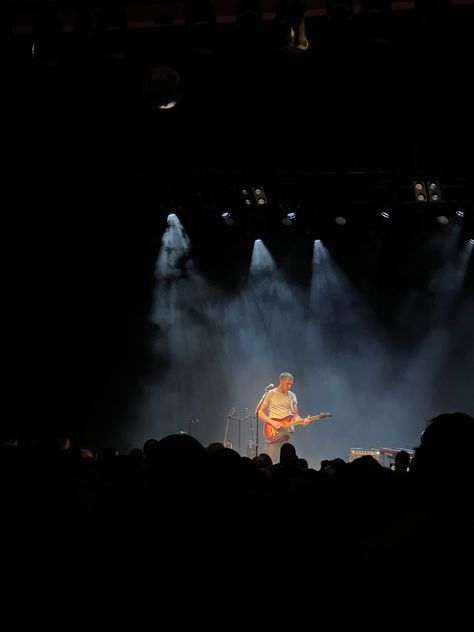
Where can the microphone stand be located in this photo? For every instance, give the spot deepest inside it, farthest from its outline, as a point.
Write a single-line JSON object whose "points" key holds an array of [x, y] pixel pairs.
{"points": [[259, 405], [190, 422], [251, 443], [239, 420], [229, 417]]}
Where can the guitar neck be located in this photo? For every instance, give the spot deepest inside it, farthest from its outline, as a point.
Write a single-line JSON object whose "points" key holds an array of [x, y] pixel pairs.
{"points": [[311, 418], [296, 423], [302, 421]]}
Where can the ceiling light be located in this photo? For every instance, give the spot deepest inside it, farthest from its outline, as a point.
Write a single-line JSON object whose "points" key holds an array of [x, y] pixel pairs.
{"points": [[288, 219], [290, 26], [47, 40], [429, 191], [434, 191], [419, 188], [227, 218], [162, 88], [246, 196], [259, 195]]}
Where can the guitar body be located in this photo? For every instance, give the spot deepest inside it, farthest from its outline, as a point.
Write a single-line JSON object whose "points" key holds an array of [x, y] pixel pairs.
{"points": [[272, 434], [288, 423]]}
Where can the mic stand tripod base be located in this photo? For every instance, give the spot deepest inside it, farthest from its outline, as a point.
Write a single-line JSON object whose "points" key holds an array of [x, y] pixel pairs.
{"points": [[251, 449]]}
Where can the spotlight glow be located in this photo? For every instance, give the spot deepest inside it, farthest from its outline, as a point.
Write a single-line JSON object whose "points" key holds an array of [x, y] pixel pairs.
{"points": [[288, 219], [227, 218]]}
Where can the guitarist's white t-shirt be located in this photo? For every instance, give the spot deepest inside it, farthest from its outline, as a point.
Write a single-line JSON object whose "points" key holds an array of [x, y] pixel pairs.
{"points": [[279, 405]]}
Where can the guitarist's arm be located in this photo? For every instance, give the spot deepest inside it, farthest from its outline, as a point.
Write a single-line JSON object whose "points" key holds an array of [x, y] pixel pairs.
{"points": [[266, 419], [297, 418]]}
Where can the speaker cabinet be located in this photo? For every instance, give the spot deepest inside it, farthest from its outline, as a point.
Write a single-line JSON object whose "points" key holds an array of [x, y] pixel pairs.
{"points": [[355, 453]]}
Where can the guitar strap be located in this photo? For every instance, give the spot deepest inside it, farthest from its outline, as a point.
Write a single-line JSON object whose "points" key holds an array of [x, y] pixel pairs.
{"points": [[292, 403]]}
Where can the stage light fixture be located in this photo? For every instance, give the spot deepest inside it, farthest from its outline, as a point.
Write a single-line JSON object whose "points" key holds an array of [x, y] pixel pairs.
{"points": [[246, 196], [340, 221], [385, 214], [458, 217], [227, 218], [419, 188], [288, 219], [429, 191], [434, 191], [290, 26], [259, 195], [162, 88], [442, 219], [47, 41]]}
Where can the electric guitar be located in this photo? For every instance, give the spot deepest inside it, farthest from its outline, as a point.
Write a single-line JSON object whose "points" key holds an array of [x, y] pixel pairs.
{"points": [[273, 434]]}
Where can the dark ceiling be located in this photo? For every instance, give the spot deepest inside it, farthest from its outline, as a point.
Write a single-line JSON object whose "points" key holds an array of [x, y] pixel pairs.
{"points": [[375, 102]]}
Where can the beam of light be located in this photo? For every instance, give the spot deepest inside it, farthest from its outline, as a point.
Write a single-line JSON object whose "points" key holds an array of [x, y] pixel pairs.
{"points": [[467, 248], [437, 374], [333, 298], [335, 306], [261, 261], [174, 245], [352, 360], [188, 327], [278, 301], [266, 309], [446, 283]]}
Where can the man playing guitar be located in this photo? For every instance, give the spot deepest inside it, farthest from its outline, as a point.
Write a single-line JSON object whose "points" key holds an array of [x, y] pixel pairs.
{"points": [[277, 405]]}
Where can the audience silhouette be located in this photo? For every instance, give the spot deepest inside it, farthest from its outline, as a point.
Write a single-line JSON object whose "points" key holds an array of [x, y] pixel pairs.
{"points": [[132, 537]]}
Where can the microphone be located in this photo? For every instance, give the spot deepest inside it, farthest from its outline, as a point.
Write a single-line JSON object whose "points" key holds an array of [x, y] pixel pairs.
{"points": [[267, 388]]}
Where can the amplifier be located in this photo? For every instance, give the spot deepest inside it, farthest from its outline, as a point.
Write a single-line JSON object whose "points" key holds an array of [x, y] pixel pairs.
{"points": [[355, 453]]}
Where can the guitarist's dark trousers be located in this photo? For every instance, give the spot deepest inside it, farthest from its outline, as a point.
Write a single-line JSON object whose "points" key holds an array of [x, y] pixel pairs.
{"points": [[273, 448]]}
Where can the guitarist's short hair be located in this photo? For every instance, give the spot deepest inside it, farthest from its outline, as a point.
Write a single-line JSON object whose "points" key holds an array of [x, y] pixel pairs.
{"points": [[285, 375]]}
